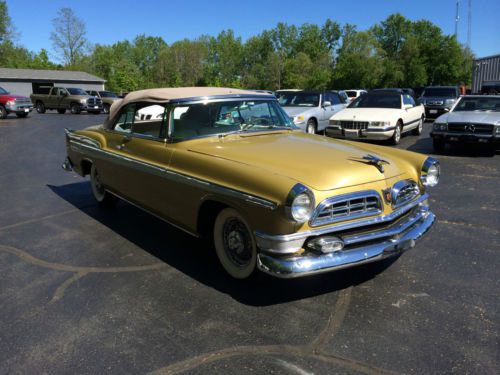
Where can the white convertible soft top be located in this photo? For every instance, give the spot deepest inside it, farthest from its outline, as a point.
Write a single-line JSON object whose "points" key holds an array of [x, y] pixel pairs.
{"points": [[164, 95]]}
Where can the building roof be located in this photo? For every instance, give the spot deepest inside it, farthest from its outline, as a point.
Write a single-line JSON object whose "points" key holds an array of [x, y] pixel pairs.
{"points": [[48, 75], [487, 57], [163, 95]]}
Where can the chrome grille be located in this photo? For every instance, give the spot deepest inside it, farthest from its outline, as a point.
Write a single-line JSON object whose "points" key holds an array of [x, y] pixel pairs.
{"points": [[462, 127], [94, 101], [404, 191], [356, 125], [347, 207]]}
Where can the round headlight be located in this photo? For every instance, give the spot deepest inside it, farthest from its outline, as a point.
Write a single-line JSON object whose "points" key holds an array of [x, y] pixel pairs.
{"points": [[430, 172], [302, 208], [300, 204]]}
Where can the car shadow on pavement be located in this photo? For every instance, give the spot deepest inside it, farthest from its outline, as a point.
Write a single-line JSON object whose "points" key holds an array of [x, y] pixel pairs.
{"points": [[424, 145], [196, 257]]}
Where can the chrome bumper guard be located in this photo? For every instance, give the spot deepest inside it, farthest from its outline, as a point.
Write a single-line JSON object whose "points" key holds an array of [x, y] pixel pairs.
{"points": [[360, 248], [67, 165]]}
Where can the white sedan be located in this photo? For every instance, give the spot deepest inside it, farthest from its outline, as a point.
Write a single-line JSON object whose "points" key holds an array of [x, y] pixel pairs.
{"points": [[380, 115]]}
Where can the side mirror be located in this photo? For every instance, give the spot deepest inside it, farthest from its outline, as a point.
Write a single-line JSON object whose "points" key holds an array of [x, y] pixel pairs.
{"points": [[327, 103]]}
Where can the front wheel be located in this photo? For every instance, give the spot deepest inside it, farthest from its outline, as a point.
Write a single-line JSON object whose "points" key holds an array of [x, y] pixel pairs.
{"points": [[419, 128], [234, 244], [103, 197], [105, 108], [40, 107], [3, 112], [75, 109], [311, 127], [396, 137]]}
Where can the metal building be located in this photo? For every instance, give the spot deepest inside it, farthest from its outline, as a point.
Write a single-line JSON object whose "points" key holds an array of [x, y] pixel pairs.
{"points": [[26, 81], [486, 72]]}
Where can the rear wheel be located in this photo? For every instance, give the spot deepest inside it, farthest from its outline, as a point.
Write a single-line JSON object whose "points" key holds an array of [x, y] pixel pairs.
{"points": [[102, 196], [75, 109], [40, 107], [438, 144], [396, 137], [420, 126], [3, 112], [234, 244], [311, 127], [61, 111]]}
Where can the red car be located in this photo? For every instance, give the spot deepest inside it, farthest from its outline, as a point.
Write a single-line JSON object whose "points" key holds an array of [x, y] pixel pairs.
{"points": [[20, 105]]}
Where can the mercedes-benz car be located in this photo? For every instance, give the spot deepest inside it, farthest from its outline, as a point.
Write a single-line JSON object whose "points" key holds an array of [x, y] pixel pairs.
{"points": [[230, 165], [473, 119]]}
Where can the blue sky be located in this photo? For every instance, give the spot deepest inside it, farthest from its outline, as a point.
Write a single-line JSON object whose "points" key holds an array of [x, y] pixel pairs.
{"points": [[109, 21]]}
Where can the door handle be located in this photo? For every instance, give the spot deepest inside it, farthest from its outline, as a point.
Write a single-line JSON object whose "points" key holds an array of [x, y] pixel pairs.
{"points": [[124, 140]]}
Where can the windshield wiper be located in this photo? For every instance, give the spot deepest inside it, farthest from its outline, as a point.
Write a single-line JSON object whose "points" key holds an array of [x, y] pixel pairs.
{"points": [[249, 126]]}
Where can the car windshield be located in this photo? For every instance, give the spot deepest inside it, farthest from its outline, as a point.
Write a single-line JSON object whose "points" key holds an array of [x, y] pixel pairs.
{"points": [[440, 92], [108, 94], [298, 99], [377, 101], [478, 104], [226, 117], [73, 91], [3, 91]]}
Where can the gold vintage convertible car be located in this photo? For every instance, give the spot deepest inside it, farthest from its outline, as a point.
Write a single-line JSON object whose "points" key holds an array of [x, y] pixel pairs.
{"points": [[230, 164]]}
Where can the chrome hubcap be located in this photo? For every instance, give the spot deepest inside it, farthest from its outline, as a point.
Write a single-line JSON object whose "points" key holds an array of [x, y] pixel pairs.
{"points": [[237, 242]]}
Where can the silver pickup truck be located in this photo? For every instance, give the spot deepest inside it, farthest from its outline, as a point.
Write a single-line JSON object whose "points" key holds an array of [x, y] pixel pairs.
{"points": [[62, 98]]}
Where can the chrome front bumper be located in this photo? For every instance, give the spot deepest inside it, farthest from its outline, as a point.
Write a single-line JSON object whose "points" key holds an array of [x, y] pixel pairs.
{"points": [[360, 248], [367, 134]]}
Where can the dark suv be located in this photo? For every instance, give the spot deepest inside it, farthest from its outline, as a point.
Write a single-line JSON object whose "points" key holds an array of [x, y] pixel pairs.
{"points": [[439, 99]]}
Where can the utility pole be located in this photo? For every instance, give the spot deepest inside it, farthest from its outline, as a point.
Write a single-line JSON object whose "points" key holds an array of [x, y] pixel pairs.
{"points": [[469, 25], [457, 18]]}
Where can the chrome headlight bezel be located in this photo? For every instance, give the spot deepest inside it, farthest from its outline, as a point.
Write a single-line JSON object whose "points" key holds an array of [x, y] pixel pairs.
{"points": [[380, 123], [440, 126], [431, 172], [300, 193]]}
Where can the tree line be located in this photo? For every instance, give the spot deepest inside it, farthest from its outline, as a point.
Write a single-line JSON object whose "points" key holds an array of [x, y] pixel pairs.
{"points": [[396, 52]]}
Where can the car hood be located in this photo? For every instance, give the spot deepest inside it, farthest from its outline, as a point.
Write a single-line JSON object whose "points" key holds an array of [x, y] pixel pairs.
{"points": [[319, 162], [295, 111], [366, 114], [473, 117]]}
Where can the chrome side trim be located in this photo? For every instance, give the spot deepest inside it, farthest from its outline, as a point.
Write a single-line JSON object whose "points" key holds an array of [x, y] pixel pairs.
{"points": [[315, 264], [314, 222], [80, 144], [342, 226]]}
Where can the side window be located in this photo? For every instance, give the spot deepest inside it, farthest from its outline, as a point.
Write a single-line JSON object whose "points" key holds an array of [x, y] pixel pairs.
{"points": [[148, 120], [407, 100], [125, 120], [60, 91], [335, 99]]}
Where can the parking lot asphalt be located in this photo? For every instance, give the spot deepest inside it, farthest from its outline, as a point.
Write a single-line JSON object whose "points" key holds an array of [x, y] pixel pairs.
{"points": [[91, 290]]}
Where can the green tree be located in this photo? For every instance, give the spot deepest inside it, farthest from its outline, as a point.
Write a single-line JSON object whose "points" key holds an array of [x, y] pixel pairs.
{"points": [[360, 63], [68, 38]]}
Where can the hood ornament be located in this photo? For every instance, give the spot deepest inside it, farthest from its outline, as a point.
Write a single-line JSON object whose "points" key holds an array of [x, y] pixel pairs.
{"points": [[373, 160]]}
